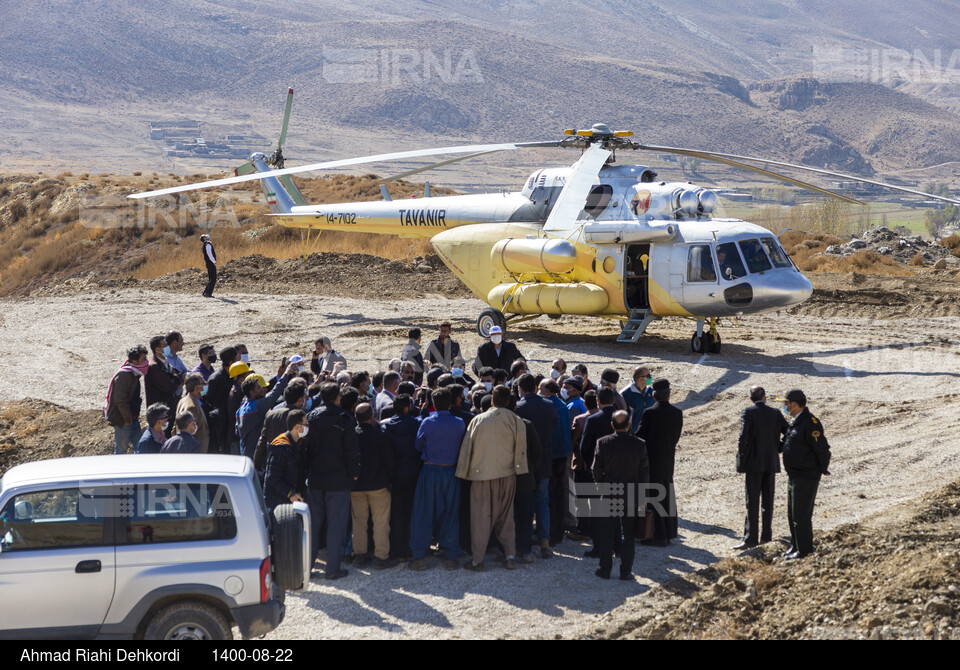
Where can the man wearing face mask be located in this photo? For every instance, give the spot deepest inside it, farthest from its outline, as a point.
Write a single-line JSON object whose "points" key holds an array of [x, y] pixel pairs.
{"points": [[151, 442], [207, 358], [639, 395], [194, 388], [558, 369], [497, 352], [218, 397], [281, 484], [806, 456], [161, 383], [242, 353], [184, 441], [275, 422], [122, 408]]}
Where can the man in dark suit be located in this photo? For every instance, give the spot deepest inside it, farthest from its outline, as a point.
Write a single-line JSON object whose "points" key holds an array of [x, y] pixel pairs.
{"points": [[597, 425], [660, 428], [758, 457], [543, 415], [620, 458], [496, 353]]}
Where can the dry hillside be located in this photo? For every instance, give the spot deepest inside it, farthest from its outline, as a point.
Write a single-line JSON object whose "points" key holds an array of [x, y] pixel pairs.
{"points": [[682, 74]]}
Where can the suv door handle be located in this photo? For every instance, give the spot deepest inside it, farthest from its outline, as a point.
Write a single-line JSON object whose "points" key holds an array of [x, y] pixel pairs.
{"points": [[88, 566]]}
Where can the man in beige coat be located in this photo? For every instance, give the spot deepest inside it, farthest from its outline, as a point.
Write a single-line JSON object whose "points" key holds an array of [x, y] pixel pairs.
{"points": [[193, 387], [493, 453]]}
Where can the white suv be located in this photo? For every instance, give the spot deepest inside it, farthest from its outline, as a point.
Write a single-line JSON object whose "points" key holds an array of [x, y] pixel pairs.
{"points": [[165, 546]]}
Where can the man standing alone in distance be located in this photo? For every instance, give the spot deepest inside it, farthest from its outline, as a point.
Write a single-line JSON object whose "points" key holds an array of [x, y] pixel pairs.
{"points": [[758, 457], [210, 259]]}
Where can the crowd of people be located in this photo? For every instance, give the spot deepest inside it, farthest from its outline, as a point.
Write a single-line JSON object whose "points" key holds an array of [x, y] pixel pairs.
{"points": [[425, 454]]}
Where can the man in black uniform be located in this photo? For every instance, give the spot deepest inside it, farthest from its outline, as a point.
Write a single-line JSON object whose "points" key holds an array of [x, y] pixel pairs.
{"points": [[758, 457], [660, 428], [806, 456], [210, 260]]}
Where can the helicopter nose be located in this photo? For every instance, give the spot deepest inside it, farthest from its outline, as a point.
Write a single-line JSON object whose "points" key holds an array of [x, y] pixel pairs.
{"points": [[781, 289], [794, 288]]}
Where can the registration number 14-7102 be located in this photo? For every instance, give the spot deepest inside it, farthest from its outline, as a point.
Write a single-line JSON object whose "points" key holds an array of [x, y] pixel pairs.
{"points": [[341, 218]]}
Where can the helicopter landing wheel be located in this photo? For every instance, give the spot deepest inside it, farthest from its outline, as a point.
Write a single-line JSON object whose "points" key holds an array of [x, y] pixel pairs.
{"points": [[705, 344], [489, 318]]}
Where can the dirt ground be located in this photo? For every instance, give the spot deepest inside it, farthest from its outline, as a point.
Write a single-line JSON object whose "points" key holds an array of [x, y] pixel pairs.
{"points": [[880, 373]]}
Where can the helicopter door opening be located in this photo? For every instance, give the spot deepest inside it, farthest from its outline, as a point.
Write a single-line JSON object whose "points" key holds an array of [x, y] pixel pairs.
{"points": [[636, 275]]}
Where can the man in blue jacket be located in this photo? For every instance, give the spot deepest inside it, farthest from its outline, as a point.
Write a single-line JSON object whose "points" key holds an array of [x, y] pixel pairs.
{"points": [[638, 396], [436, 502], [257, 403]]}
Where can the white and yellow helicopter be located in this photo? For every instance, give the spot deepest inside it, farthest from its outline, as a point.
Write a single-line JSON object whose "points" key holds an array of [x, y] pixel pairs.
{"points": [[596, 238]]}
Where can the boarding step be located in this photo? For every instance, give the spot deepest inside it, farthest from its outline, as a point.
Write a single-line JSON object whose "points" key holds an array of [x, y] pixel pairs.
{"points": [[634, 327]]}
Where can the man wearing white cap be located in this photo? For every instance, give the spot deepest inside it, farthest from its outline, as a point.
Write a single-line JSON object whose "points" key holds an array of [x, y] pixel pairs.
{"points": [[497, 353], [210, 259]]}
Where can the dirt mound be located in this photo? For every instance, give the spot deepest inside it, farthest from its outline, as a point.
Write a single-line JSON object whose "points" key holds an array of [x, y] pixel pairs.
{"points": [[35, 430], [892, 578], [912, 250], [932, 294], [334, 274]]}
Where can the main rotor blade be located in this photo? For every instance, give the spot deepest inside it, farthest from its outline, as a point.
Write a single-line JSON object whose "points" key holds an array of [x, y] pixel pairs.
{"points": [[573, 196], [706, 155], [710, 155], [469, 148], [286, 119], [404, 175]]}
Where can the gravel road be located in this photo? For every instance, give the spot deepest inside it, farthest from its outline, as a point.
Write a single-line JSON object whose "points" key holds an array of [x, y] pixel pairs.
{"points": [[886, 391]]}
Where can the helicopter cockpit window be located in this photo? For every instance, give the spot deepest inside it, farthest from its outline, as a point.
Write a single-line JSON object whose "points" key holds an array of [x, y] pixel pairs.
{"points": [[700, 265], [731, 267], [776, 254], [757, 261], [598, 199]]}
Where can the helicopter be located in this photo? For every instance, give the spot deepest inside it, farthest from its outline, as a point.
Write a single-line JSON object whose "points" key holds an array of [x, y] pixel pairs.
{"points": [[595, 238]]}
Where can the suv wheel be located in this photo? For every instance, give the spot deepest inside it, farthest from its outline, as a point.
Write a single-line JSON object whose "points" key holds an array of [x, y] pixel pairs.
{"points": [[190, 620], [287, 547]]}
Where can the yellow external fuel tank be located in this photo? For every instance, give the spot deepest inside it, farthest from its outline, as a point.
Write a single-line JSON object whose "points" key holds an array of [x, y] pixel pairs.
{"points": [[537, 298], [519, 255]]}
